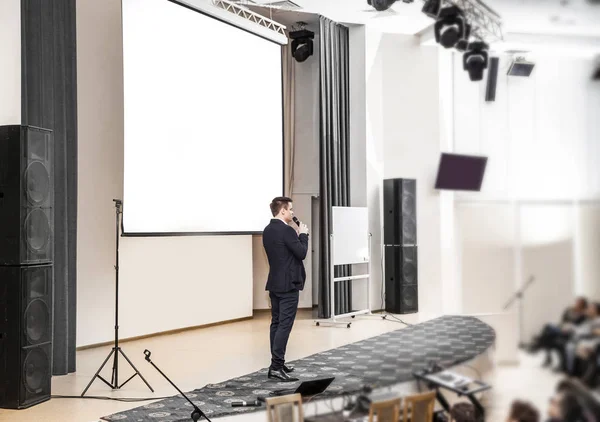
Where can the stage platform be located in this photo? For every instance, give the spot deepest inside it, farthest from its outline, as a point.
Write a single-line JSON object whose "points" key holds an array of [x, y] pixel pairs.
{"points": [[385, 360]]}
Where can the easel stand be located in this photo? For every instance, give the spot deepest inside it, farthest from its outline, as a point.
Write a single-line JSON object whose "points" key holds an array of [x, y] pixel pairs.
{"points": [[333, 320], [116, 350]]}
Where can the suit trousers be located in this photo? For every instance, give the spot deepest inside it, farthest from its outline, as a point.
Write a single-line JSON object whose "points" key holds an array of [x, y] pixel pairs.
{"points": [[283, 314]]}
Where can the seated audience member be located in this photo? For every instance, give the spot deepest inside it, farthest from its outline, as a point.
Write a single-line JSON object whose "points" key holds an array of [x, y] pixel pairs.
{"points": [[555, 336], [566, 407], [589, 402], [584, 340], [463, 412], [521, 411], [592, 369]]}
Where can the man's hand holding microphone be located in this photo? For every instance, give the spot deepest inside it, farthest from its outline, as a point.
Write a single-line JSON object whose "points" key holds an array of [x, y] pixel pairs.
{"points": [[302, 228]]}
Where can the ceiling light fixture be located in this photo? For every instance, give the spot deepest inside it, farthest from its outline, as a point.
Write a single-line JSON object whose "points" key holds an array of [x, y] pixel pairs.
{"points": [[475, 60], [302, 44], [450, 26]]}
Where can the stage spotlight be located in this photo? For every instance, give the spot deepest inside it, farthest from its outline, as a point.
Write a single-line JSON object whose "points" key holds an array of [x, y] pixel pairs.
{"points": [[381, 5], [475, 60], [432, 8], [302, 44], [450, 26]]}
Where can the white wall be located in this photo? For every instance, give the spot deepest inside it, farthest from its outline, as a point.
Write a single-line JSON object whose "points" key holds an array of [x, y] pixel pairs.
{"points": [[10, 71], [166, 283], [374, 154], [587, 250], [404, 134], [358, 115], [306, 177], [540, 133], [358, 147], [541, 139], [306, 169]]}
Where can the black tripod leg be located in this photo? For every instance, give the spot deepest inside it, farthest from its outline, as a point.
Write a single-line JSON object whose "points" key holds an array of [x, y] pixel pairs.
{"points": [[114, 380], [135, 369], [96, 374], [479, 410]]}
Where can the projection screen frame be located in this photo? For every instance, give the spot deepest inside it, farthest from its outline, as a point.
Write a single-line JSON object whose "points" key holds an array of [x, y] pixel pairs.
{"points": [[236, 233]]}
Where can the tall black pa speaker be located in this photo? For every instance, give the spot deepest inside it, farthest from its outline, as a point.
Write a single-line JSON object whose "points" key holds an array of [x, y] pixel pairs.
{"points": [[26, 195], [400, 243], [401, 279], [26, 276], [25, 335], [400, 212]]}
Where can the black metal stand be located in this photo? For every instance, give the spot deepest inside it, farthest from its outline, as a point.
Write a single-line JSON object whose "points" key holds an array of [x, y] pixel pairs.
{"points": [[116, 350], [196, 413], [434, 384], [519, 295]]}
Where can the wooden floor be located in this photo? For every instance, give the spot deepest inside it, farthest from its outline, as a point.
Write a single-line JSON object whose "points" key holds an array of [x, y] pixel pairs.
{"points": [[211, 355]]}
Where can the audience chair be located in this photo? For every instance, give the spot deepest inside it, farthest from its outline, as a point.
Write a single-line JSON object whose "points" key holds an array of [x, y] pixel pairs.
{"points": [[385, 410], [419, 407], [285, 408]]}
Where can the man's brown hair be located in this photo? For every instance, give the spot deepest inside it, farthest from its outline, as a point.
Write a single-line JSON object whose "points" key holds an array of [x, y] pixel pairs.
{"points": [[523, 412], [463, 412], [278, 203]]}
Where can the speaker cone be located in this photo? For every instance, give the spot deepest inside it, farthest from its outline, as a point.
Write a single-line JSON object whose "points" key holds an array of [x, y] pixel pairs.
{"points": [[36, 282], [408, 231], [36, 321], [37, 230], [37, 183], [35, 370], [409, 273], [408, 205], [409, 296], [409, 254]]}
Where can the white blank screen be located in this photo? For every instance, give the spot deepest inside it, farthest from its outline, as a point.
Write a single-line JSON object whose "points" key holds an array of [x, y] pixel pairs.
{"points": [[203, 122]]}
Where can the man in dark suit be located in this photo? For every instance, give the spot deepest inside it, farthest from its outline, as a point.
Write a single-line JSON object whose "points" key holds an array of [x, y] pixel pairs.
{"points": [[286, 248]]}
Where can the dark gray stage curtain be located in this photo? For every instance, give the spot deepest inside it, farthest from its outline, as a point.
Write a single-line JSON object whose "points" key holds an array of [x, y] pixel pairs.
{"points": [[49, 100], [334, 155]]}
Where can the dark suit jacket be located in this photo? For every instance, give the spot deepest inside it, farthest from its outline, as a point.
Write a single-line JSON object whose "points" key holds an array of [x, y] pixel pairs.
{"points": [[285, 251]]}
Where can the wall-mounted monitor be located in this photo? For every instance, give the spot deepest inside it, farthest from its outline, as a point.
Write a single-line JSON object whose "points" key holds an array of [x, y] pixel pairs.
{"points": [[460, 172], [521, 68]]}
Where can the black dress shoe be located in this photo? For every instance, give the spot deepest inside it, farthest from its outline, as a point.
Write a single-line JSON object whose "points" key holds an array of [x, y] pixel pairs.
{"points": [[280, 375], [288, 369]]}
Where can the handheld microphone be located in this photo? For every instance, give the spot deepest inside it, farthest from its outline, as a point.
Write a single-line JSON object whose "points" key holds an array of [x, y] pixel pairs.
{"points": [[244, 403], [296, 221]]}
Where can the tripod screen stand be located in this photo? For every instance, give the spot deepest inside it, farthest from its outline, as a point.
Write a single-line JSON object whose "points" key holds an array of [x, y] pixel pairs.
{"points": [[116, 350], [518, 295]]}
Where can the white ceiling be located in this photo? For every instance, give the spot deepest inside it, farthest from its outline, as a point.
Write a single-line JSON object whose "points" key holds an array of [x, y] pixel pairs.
{"points": [[566, 17], [577, 17], [404, 18], [569, 22]]}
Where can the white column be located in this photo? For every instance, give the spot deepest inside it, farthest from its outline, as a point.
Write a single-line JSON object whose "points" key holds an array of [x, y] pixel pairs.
{"points": [[10, 70]]}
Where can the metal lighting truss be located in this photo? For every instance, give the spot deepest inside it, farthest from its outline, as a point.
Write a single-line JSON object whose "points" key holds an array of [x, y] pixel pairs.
{"points": [[486, 24], [250, 15]]}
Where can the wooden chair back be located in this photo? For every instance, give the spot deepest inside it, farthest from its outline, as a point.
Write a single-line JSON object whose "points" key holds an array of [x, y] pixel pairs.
{"points": [[285, 408]]}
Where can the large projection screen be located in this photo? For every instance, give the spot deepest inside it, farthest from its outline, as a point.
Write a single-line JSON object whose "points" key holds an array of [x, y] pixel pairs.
{"points": [[203, 147]]}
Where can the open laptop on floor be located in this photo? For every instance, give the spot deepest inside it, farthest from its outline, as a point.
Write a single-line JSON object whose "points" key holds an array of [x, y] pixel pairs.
{"points": [[306, 388]]}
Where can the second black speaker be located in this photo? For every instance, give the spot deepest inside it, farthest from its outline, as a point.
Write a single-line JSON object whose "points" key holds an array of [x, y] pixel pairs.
{"points": [[25, 335], [400, 212], [401, 279]]}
